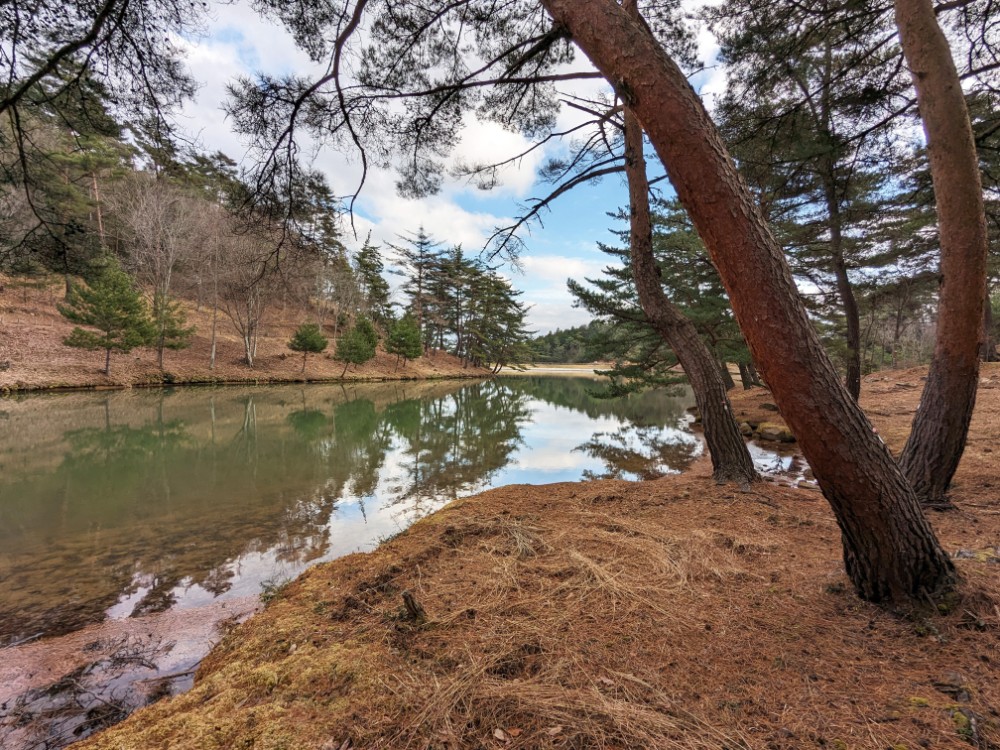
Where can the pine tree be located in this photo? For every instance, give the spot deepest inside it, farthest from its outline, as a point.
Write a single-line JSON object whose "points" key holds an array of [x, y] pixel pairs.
{"points": [[169, 329], [368, 267], [356, 346], [367, 330], [404, 340], [115, 308], [308, 339], [420, 256]]}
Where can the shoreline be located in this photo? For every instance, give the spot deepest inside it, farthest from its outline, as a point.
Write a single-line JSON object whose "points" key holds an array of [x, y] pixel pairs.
{"points": [[594, 590], [7, 391]]}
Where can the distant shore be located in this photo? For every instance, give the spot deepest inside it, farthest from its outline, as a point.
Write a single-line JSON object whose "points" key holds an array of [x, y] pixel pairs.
{"points": [[579, 370], [34, 358]]}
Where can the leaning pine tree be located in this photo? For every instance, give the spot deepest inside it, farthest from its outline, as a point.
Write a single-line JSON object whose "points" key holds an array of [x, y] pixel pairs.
{"points": [[890, 550], [730, 458], [115, 307]]}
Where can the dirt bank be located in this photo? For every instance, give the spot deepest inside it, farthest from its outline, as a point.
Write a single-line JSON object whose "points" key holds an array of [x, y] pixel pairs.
{"points": [[668, 614], [32, 355]]}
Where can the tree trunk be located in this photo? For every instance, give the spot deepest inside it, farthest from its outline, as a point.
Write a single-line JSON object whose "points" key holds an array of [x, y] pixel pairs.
{"points": [[745, 377], [727, 377], [989, 353], [754, 375], [941, 424], [304, 355], [215, 318], [730, 458], [107, 362], [247, 349], [890, 550], [97, 206]]}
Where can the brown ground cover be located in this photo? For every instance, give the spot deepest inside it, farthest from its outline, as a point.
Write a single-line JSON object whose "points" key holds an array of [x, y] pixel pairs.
{"points": [[32, 354], [666, 614]]}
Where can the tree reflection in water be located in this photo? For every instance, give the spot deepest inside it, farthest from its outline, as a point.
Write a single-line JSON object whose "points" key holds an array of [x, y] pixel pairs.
{"points": [[640, 452], [134, 502]]}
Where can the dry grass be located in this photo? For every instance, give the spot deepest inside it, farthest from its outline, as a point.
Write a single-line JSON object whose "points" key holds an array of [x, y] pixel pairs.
{"points": [[32, 355], [667, 614]]}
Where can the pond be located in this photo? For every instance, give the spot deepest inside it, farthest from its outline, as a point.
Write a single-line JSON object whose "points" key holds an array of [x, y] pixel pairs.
{"points": [[136, 524]]}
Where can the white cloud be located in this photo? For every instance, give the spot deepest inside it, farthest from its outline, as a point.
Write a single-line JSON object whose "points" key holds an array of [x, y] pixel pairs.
{"points": [[544, 317], [240, 42], [558, 268]]}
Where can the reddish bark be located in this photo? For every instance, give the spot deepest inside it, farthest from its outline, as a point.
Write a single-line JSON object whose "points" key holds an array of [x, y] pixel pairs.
{"points": [[730, 458], [890, 551], [941, 424]]}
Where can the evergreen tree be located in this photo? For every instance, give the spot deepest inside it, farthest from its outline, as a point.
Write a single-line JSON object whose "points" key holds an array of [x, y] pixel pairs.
{"points": [[809, 89], [419, 257], [356, 346], [169, 329], [404, 340], [688, 279], [113, 306], [308, 339], [368, 268], [366, 328]]}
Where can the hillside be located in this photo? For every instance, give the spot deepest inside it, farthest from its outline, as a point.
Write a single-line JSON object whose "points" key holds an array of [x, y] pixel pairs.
{"points": [[667, 614], [32, 355]]}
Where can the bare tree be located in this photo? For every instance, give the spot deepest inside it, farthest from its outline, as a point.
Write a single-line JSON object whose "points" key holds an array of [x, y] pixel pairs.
{"points": [[248, 286], [161, 228]]}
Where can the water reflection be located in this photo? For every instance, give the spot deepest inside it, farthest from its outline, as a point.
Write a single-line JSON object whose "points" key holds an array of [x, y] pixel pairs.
{"points": [[131, 503]]}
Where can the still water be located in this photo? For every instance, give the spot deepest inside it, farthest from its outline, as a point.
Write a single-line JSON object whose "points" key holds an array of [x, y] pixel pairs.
{"points": [[135, 525], [125, 504]]}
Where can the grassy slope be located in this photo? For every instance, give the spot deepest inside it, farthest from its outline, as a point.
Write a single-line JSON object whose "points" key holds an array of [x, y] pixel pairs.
{"points": [[32, 330], [666, 614]]}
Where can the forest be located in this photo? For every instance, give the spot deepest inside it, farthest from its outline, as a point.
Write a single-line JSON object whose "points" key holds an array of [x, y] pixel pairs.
{"points": [[143, 221], [823, 216]]}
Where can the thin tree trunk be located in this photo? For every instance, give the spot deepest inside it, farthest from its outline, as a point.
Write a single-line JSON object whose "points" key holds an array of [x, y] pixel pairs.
{"points": [[890, 551], [727, 377], [754, 375], [730, 458], [215, 318], [941, 424], [745, 377], [107, 362], [989, 352], [97, 207]]}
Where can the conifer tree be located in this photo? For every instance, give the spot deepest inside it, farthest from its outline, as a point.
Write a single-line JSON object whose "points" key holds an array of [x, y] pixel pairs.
{"points": [[419, 256], [308, 339], [404, 340], [113, 306], [356, 346], [169, 326], [368, 267]]}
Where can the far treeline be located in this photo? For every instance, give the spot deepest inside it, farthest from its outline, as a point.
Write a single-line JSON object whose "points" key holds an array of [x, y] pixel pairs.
{"points": [[807, 205], [133, 222]]}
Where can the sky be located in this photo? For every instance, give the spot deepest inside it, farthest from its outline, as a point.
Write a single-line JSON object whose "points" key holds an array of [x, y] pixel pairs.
{"points": [[237, 41]]}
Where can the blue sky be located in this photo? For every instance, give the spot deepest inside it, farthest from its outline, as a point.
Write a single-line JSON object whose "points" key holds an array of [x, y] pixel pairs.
{"points": [[238, 42]]}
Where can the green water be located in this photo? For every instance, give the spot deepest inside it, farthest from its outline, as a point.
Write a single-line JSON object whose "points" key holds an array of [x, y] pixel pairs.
{"points": [[118, 504]]}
